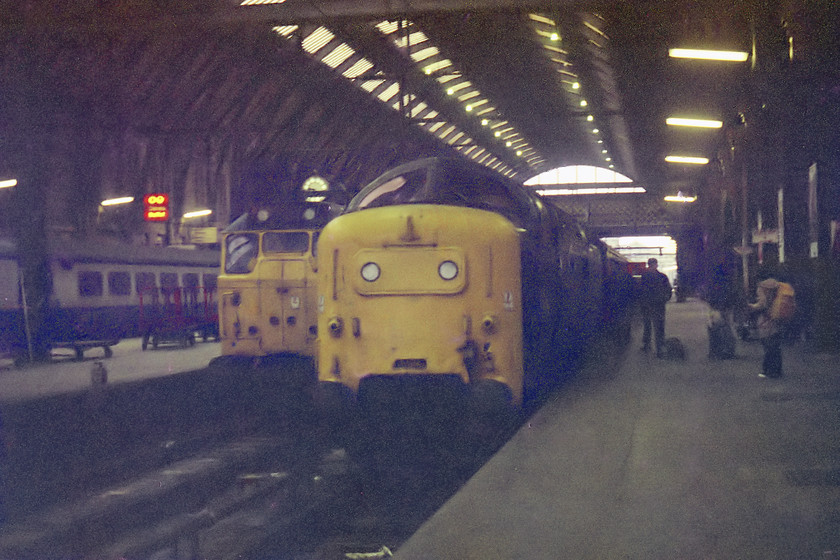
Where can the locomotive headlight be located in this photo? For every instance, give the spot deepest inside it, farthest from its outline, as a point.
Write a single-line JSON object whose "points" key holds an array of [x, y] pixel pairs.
{"points": [[370, 272], [448, 270]]}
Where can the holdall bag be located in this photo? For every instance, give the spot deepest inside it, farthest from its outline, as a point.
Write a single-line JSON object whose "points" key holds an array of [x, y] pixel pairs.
{"points": [[783, 307]]}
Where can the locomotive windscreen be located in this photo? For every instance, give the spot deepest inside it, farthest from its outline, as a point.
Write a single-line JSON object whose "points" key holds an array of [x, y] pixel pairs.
{"points": [[446, 182], [240, 249], [286, 242]]}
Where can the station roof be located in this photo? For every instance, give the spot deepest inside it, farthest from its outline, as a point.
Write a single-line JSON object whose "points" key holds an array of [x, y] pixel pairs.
{"points": [[523, 86]]}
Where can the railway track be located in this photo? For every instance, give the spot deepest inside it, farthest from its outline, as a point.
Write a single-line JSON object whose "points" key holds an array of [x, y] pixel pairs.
{"points": [[254, 497], [263, 481]]}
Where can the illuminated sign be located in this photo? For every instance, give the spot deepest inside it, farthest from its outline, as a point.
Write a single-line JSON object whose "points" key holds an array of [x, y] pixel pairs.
{"points": [[156, 207]]}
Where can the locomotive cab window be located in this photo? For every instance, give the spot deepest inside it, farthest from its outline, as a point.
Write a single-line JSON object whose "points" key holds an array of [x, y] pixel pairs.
{"points": [[479, 190], [402, 189], [285, 242], [119, 283], [240, 250], [90, 283]]}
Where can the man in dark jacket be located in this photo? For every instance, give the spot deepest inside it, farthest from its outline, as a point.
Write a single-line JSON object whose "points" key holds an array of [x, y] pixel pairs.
{"points": [[655, 291]]}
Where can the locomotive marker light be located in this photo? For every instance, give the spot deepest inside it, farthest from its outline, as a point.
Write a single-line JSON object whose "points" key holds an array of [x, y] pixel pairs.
{"points": [[448, 270], [488, 323], [371, 272], [336, 326], [156, 207]]}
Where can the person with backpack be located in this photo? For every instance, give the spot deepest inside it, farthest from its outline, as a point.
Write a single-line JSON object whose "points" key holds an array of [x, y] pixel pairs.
{"points": [[775, 305]]}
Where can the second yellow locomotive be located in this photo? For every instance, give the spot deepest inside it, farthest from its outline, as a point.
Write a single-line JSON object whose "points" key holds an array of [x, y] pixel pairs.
{"points": [[268, 281]]}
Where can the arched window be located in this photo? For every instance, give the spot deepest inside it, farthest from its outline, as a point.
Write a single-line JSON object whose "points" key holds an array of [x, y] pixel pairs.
{"points": [[583, 179]]}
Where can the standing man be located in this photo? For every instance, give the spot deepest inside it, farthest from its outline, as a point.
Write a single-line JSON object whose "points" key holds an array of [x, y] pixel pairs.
{"points": [[655, 291]]}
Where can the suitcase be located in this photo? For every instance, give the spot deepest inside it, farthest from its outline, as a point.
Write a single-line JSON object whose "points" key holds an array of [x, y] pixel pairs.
{"points": [[673, 349]]}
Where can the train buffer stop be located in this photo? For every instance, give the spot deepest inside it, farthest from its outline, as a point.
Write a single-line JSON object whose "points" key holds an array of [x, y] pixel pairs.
{"points": [[645, 458]]}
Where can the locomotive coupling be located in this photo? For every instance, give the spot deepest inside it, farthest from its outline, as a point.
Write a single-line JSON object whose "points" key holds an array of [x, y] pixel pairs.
{"points": [[335, 326]]}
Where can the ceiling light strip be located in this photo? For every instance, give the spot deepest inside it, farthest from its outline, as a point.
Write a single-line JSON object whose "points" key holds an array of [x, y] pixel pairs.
{"points": [[699, 123], [545, 27], [693, 160], [706, 54]]}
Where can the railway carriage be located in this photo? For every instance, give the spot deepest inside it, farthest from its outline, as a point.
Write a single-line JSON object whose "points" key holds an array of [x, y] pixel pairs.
{"points": [[442, 272], [102, 290]]}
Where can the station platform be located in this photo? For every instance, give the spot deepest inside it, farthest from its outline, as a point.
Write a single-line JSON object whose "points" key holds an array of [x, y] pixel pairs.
{"points": [[645, 458], [129, 362]]}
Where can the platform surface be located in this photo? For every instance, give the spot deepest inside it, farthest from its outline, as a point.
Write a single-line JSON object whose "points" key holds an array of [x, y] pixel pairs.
{"points": [[643, 458], [63, 374]]}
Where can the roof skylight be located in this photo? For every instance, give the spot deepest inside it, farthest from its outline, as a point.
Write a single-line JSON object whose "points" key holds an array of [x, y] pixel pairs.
{"points": [[427, 56], [323, 45], [577, 174]]}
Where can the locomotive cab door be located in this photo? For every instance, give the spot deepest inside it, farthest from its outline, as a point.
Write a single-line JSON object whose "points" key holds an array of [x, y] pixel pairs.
{"points": [[287, 293]]}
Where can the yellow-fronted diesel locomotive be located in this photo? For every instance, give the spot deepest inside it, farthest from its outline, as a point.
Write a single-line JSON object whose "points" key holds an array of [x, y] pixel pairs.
{"points": [[443, 272], [268, 281]]}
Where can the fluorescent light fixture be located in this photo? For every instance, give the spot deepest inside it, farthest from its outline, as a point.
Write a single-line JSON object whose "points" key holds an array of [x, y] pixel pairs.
{"points": [[680, 197], [197, 214], [702, 54], [8, 183], [259, 2], [116, 201], [591, 190], [687, 159], [699, 123]]}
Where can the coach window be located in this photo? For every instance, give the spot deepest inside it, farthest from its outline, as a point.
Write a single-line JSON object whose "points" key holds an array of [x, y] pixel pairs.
{"points": [[119, 283], [90, 283], [145, 283], [285, 242], [190, 282], [168, 282], [209, 282]]}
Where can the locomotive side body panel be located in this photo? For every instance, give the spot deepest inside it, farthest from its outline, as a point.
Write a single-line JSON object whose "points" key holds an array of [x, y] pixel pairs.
{"points": [[420, 290]]}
